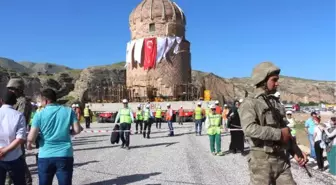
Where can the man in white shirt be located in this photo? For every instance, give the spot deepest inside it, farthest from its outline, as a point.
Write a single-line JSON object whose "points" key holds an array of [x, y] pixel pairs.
{"points": [[13, 135]]}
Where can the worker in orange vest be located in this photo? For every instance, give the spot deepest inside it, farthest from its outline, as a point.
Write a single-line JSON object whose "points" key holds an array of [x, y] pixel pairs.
{"points": [[181, 115], [169, 117], [224, 115]]}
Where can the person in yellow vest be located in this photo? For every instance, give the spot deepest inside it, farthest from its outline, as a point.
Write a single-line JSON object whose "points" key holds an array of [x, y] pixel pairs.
{"points": [[169, 119], [125, 116], [213, 126], [148, 120], [198, 117], [87, 116], [224, 115], [139, 119], [158, 117]]}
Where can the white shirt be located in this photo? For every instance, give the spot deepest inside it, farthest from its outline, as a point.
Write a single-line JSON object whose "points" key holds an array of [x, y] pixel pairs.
{"points": [[12, 126], [318, 132]]}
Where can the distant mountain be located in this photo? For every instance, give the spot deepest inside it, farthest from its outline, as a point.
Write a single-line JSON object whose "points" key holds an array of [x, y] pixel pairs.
{"points": [[45, 67], [11, 65]]}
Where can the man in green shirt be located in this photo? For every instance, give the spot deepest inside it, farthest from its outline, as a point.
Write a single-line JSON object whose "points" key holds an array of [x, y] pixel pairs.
{"points": [[125, 116]]}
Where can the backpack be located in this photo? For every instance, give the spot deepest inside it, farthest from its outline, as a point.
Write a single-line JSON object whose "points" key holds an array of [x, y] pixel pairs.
{"points": [[328, 141]]}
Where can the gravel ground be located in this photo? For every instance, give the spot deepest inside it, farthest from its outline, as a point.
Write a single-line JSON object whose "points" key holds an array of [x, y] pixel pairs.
{"points": [[183, 159]]}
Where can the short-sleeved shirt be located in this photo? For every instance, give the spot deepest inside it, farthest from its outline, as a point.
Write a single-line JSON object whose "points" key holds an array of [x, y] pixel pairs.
{"points": [[310, 124], [12, 126], [54, 123]]}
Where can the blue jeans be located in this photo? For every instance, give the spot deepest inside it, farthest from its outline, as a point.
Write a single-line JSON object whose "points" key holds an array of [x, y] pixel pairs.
{"points": [[61, 166], [198, 126], [312, 147], [171, 128], [15, 168]]}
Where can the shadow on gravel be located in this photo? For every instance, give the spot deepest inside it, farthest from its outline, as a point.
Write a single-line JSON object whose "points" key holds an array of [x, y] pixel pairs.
{"points": [[152, 145], [83, 164], [76, 143], [164, 136], [95, 148], [126, 179]]}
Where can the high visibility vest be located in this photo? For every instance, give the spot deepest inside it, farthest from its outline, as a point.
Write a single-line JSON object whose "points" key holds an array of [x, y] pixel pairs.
{"points": [[32, 117], [139, 116], [158, 113], [181, 112], [86, 112], [125, 116], [146, 115], [214, 125], [168, 116], [207, 112], [198, 113]]}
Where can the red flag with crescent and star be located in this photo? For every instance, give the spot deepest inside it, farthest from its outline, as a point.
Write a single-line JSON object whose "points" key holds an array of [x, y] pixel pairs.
{"points": [[150, 53]]}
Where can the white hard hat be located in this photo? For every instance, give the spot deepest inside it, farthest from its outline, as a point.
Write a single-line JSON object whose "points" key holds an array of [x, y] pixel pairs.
{"points": [[241, 100], [181, 106], [147, 106], [159, 107], [39, 104], [289, 112], [124, 101], [73, 105], [87, 105], [225, 105], [213, 107], [139, 106], [216, 102], [199, 103], [168, 104], [277, 94], [77, 105]]}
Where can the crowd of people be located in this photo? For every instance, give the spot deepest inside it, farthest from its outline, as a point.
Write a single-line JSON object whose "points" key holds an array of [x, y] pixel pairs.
{"points": [[51, 125]]}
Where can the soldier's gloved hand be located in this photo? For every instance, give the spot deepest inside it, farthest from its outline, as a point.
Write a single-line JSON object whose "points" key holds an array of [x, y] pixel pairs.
{"points": [[285, 135]]}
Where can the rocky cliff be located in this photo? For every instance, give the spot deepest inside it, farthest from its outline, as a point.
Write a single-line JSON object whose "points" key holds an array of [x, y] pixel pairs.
{"points": [[94, 83]]}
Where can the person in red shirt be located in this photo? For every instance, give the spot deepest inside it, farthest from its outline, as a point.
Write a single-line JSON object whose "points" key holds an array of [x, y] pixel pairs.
{"points": [[181, 115]]}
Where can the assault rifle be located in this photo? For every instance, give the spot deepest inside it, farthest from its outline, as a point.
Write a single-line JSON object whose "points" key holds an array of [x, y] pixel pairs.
{"points": [[293, 148]]}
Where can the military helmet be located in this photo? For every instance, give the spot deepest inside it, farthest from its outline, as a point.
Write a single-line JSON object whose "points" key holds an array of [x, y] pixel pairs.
{"points": [[262, 71], [17, 83]]}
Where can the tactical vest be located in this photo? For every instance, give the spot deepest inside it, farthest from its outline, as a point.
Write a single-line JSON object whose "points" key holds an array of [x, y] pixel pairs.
{"points": [[158, 113], [139, 116], [214, 124], [146, 115], [86, 112], [125, 116], [198, 113]]}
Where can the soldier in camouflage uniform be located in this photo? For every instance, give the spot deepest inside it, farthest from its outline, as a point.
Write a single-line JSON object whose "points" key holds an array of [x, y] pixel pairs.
{"points": [[24, 106], [269, 138]]}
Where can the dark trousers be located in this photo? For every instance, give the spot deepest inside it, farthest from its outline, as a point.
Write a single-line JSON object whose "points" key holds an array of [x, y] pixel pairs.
{"points": [[14, 168], [125, 133], [198, 126], [137, 124], [319, 154], [237, 141], [87, 122], [147, 128], [61, 166], [28, 177], [158, 122], [180, 120], [171, 128]]}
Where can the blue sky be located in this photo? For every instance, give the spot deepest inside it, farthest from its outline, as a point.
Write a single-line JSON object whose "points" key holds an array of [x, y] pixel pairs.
{"points": [[228, 37]]}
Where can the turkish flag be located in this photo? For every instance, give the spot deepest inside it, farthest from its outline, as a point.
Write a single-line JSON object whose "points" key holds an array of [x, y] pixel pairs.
{"points": [[150, 53]]}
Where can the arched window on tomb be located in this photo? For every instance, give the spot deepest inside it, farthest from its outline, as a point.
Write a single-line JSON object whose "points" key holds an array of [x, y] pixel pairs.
{"points": [[152, 27]]}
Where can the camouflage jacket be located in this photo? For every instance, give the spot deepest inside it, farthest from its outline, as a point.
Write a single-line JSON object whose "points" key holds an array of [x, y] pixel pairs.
{"points": [[24, 106], [259, 126]]}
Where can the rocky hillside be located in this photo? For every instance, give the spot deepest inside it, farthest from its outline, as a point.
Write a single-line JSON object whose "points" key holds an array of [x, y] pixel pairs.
{"points": [[95, 82]]}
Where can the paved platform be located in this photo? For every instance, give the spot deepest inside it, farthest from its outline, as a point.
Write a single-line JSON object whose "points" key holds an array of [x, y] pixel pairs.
{"points": [[182, 159]]}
